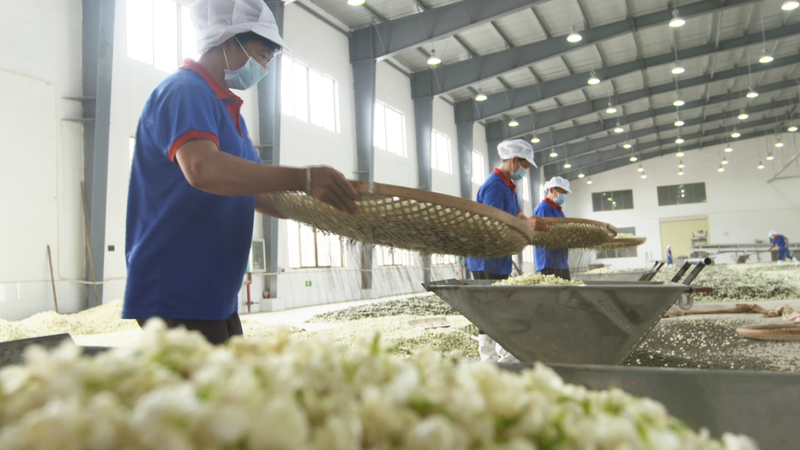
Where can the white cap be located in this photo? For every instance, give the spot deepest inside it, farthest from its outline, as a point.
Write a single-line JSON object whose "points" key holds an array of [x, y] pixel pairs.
{"points": [[216, 21], [516, 147], [772, 233], [557, 182]]}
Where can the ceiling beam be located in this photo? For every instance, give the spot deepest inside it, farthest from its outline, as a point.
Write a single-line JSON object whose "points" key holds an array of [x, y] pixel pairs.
{"points": [[379, 41], [592, 145], [496, 103], [461, 74], [530, 123], [565, 135]]}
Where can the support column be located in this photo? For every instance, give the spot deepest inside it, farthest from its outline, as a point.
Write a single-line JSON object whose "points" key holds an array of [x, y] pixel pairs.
{"points": [[364, 82], [269, 134], [423, 125], [98, 47], [464, 142]]}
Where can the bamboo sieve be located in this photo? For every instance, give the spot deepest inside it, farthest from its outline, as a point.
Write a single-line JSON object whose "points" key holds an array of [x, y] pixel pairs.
{"points": [[430, 222], [570, 232]]}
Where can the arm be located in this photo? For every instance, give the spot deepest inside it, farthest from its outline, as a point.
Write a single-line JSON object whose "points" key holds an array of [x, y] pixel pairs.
{"points": [[210, 170], [265, 205]]}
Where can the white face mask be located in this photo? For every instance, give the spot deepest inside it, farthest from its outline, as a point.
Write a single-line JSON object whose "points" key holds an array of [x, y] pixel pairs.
{"points": [[246, 76]]}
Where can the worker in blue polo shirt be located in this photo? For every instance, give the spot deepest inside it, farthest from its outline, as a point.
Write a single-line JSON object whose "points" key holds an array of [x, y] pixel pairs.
{"points": [[196, 178], [553, 261], [782, 242], [499, 191]]}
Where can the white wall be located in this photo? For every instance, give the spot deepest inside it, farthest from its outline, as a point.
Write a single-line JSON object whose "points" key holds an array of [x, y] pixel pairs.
{"points": [[41, 164], [742, 204]]}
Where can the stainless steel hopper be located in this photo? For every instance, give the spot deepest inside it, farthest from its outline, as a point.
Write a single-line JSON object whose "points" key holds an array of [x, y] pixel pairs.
{"points": [[599, 323]]}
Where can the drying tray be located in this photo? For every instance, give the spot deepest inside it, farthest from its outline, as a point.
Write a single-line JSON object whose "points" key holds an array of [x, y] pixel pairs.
{"points": [[622, 243], [413, 219], [434, 223]]}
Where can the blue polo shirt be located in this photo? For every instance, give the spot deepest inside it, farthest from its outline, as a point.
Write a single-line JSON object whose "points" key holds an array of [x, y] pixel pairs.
{"points": [[550, 258], [186, 249], [779, 240], [497, 191]]}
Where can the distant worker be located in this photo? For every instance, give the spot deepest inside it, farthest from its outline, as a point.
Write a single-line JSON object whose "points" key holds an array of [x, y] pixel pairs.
{"points": [[550, 261], [783, 247], [499, 191], [669, 255]]}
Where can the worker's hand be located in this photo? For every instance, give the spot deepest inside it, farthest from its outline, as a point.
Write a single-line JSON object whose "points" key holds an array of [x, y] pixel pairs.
{"points": [[330, 186], [537, 224]]}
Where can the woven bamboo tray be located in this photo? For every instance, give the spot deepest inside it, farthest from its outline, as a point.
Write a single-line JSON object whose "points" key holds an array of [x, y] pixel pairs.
{"points": [[622, 243], [570, 232], [414, 219], [429, 222]]}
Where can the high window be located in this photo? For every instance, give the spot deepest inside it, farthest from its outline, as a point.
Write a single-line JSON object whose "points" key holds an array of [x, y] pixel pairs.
{"points": [[389, 129], [680, 194], [526, 188], [527, 254], [160, 33], [440, 260], [478, 168], [440, 152], [389, 256], [612, 201], [310, 248], [628, 252], [308, 95]]}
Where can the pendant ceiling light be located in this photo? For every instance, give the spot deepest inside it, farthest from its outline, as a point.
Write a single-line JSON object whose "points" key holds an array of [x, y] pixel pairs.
{"points": [[677, 68], [356, 2], [553, 154], [679, 122], [536, 139], [792, 129], [770, 157], [589, 181], [728, 149], [760, 165], [633, 158], [627, 145], [680, 172], [513, 122], [679, 154], [593, 80], [678, 102], [743, 115], [611, 109], [433, 59], [790, 5], [752, 93], [679, 140], [640, 169], [681, 165], [721, 169], [736, 134], [724, 161], [676, 20], [574, 36], [481, 97], [581, 175], [779, 144], [765, 57]]}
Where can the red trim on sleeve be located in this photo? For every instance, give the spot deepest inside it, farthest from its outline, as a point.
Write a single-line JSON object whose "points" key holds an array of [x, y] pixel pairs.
{"points": [[553, 204], [188, 136]]}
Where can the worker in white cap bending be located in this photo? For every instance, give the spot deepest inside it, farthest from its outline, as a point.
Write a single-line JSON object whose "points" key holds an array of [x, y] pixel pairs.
{"points": [[499, 191], [550, 261], [196, 178], [782, 242]]}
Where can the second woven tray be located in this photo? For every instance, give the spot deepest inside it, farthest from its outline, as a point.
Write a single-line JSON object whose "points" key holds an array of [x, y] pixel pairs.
{"points": [[574, 233]]}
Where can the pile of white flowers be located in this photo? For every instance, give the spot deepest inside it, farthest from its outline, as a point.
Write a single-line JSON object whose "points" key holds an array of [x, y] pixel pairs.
{"points": [[535, 278], [602, 270], [177, 392]]}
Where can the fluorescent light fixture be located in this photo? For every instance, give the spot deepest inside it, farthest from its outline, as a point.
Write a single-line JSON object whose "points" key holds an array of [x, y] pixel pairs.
{"points": [[356, 2], [677, 68], [765, 57], [593, 78], [676, 20], [433, 59], [574, 36]]}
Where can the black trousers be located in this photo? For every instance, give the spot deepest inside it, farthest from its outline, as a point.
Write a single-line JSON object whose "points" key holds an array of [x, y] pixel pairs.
{"points": [[215, 331], [560, 273], [487, 276]]}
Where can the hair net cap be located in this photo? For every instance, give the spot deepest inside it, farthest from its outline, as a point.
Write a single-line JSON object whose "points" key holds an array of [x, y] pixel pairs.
{"points": [[772, 233], [557, 182], [216, 21], [516, 147]]}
